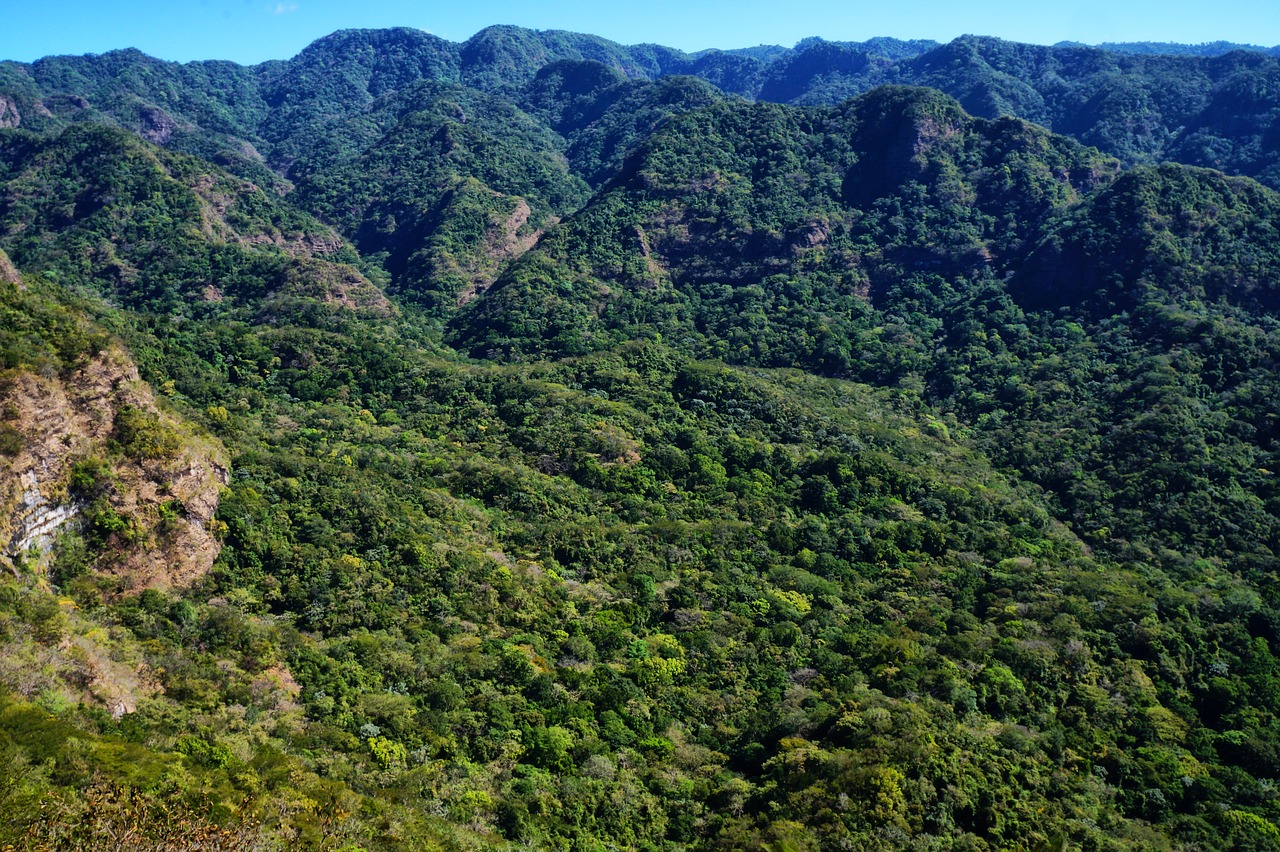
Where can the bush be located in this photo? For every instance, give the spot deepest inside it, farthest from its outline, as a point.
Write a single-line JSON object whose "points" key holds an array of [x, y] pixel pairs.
{"points": [[142, 435]]}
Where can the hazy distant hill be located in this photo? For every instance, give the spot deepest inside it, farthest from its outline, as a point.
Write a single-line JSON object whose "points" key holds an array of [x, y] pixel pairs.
{"points": [[1209, 48], [1146, 103]]}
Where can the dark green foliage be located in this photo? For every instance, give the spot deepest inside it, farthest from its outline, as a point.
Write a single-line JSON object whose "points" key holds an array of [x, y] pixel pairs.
{"points": [[160, 231], [336, 78], [1201, 104], [603, 118], [821, 72], [1208, 48], [143, 435], [1169, 233], [462, 172], [1139, 108], [503, 58], [801, 210], [41, 328]]}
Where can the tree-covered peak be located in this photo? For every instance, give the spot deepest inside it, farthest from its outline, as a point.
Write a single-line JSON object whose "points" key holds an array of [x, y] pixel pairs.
{"points": [[880, 46], [1208, 48], [733, 195], [144, 225], [574, 78], [820, 72], [1176, 233], [1205, 108], [378, 60], [357, 39], [501, 57], [916, 107]]}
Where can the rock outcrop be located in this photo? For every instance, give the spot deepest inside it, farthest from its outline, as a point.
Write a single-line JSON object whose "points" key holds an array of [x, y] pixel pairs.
{"points": [[169, 502], [8, 272], [9, 115], [156, 125]]}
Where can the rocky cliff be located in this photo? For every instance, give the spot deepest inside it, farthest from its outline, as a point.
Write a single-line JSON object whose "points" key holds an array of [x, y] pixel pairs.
{"points": [[164, 501]]}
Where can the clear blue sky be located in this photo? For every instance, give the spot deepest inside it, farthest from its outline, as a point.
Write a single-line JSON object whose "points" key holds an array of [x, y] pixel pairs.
{"points": [[249, 31]]}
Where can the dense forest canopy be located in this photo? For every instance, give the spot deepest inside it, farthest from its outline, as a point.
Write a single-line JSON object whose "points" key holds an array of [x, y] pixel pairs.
{"points": [[541, 442]]}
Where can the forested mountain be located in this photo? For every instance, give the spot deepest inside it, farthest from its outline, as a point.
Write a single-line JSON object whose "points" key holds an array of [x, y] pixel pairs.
{"points": [[1208, 48], [1207, 105], [541, 442]]}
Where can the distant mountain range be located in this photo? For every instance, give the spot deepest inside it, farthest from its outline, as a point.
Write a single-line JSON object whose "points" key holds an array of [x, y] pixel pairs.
{"points": [[1208, 48], [1208, 105]]}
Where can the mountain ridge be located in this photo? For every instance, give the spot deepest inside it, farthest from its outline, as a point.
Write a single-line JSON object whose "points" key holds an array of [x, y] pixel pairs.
{"points": [[1209, 118]]}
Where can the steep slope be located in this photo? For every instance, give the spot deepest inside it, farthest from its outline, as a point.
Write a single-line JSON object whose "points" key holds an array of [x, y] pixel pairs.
{"points": [[604, 117], [821, 72], [461, 183], [336, 78], [505, 57], [90, 448], [1172, 271], [804, 209], [159, 231], [1140, 108], [1170, 232], [211, 109], [8, 272], [1205, 107], [875, 241]]}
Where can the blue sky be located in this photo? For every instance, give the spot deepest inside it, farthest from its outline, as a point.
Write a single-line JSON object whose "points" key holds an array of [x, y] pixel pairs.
{"points": [[249, 31]]}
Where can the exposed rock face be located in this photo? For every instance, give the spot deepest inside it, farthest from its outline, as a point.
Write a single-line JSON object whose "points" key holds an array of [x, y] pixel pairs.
{"points": [[9, 115], [334, 284], [65, 106], [156, 125], [58, 421], [217, 195], [503, 242], [37, 521], [61, 420], [301, 245], [8, 272], [111, 683]]}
